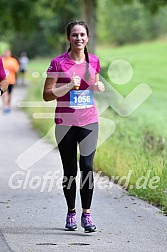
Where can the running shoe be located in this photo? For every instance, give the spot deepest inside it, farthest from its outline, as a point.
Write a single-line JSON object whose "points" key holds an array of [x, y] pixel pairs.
{"points": [[6, 110], [71, 223], [87, 223]]}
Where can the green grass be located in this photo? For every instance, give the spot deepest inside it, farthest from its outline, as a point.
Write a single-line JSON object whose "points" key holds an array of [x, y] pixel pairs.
{"points": [[139, 142]]}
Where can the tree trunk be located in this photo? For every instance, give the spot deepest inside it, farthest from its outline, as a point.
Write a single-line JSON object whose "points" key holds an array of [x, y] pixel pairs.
{"points": [[89, 16]]}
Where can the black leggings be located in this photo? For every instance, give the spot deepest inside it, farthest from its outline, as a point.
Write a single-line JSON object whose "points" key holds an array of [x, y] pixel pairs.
{"points": [[10, 88], [68, 137]]}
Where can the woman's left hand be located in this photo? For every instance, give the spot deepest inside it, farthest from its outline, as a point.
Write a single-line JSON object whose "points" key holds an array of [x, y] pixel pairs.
{"points": [[99, 86]]}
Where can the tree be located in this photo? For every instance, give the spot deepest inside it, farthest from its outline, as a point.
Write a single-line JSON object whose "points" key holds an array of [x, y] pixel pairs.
{"points": [[129, 23], [18, 15], [90, 11], [34, 21], [28, 23], [89, 16]]}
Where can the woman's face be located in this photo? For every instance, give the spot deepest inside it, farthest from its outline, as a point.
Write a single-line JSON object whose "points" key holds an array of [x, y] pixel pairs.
{"points": [[78, 37]]}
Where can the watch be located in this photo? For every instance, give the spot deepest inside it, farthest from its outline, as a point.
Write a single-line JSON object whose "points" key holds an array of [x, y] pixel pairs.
{"points": [[1, 91]]}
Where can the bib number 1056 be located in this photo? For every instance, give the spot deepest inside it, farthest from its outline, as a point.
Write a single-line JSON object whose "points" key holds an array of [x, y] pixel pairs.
{"points": [[81, 99]]}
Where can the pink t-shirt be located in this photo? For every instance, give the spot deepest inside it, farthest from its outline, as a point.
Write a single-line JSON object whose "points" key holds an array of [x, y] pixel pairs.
{"points": [[2, 72], [63, 68]]}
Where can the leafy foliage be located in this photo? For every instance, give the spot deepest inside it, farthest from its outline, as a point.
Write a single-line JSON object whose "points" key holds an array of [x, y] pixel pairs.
{"points": [[38, 26], [129, 23], [152, 5]]}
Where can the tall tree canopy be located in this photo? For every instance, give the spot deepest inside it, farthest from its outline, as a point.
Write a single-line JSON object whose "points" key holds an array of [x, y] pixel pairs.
{"points": [[39, 25]]}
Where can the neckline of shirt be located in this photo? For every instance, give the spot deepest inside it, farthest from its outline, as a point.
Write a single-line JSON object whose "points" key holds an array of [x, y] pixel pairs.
{"points": [[75, 62]]}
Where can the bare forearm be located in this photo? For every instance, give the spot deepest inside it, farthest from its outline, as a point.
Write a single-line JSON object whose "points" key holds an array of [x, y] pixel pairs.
{"points": [[55, 92], [4, 84], [51, 92]]}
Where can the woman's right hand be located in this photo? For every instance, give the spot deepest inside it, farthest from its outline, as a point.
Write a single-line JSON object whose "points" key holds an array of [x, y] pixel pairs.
{"points": [[75, 82]]}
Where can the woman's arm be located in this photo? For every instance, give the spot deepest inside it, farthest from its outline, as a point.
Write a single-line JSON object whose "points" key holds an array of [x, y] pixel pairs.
{"points": [[3, 80], [4, 84], [51, 92]]}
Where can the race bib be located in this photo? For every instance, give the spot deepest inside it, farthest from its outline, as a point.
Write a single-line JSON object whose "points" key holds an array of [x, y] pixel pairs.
{"points": [[81, 99]]}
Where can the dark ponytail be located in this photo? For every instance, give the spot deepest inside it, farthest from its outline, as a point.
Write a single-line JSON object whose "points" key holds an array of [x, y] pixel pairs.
{"points": [[87, 73], [69, 49]]}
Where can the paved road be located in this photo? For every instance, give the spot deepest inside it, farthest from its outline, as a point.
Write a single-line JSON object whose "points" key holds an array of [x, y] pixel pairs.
{"points": [[33, 221]]}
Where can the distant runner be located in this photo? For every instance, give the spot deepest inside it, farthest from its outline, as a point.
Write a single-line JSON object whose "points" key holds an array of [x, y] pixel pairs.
{"points": [[11, 67], [23, 61]]}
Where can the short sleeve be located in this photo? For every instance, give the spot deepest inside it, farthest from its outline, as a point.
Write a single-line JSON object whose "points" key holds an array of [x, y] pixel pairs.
{"points": [[52, 71], [98, 68], [2, 72]]}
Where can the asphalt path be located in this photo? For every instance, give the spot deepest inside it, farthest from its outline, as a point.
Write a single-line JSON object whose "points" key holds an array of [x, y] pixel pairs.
{"points": [[33, 209]]}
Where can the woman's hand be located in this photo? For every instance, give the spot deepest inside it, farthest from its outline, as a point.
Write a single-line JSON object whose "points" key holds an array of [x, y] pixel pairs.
{"points": [[99, 86], [75, 82]]}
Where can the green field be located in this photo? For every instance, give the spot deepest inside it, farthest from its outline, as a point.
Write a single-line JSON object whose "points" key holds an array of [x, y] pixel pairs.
{"points": [[138, 145]]}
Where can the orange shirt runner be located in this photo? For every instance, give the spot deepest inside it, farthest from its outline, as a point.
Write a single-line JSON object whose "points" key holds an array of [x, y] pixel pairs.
{"points": [[11, 67]]}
